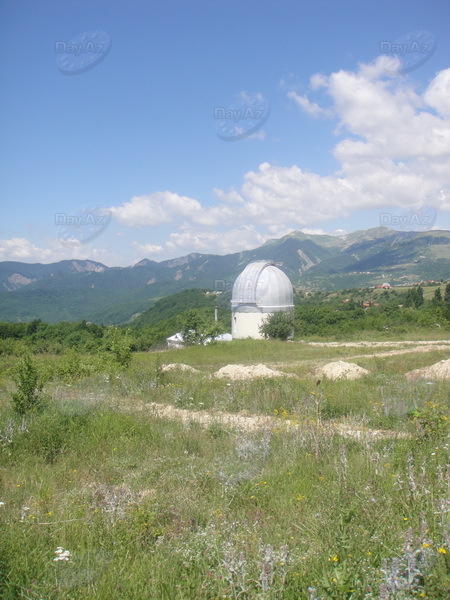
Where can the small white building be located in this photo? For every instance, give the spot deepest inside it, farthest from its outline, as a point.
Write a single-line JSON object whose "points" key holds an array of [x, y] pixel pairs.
{"points": [[259, 291], [176, 340]]}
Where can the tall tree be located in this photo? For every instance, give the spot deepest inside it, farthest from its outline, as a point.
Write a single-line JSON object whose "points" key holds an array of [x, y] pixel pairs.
{"points": [[437, 298], [447, 302], [419, 296]]}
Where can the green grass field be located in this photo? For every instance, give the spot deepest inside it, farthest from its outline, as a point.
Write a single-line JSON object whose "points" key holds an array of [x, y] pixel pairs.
{"points": [[101, 498]]}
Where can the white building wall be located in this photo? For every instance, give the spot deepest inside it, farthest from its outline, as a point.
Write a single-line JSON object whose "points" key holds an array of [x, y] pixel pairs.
{"points": [[247, 324]]}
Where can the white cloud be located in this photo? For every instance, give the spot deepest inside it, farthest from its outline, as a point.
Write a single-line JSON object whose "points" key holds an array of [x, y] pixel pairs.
{"points": [[21, 249], [292, 196], [155, 209], [316, 232], [230, 196], [394, 149], [87, 252], [258, 135], [438, 93], [217, 242], [398, 151], [312, 108], [318, 81], [148, 249]]}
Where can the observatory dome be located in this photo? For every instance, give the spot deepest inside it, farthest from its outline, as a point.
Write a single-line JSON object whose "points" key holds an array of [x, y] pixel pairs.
{"points": [[263, 286], [261, 289]]}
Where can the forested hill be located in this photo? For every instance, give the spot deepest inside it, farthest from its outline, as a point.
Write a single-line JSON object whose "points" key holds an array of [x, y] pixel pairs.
{"points": [[349, 314], [76, 290]]}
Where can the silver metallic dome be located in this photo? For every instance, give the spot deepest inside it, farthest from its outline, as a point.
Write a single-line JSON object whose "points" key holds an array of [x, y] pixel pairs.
{"points": [[262, 287]]}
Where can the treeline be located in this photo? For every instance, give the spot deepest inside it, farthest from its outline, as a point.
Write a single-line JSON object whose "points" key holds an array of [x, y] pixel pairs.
{"points": [[58, 338], [399, 311], [40, 337], [148, 330], [320, 314]]}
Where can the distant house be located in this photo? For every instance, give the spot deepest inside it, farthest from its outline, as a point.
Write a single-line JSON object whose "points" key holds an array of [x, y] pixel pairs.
{"points": [[176, 340]]}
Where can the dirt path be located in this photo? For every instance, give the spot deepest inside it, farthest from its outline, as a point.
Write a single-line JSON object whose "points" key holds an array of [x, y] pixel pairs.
{"points": [[422, 347], [248, 422], [377, 344], [415, 349]]}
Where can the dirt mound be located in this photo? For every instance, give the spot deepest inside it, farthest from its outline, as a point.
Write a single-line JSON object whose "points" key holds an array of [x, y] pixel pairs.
{"points": [[178, 367], [340, 370], [440, 370], [241, 372]]}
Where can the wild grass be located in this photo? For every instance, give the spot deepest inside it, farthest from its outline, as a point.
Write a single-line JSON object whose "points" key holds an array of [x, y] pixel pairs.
{"points": [[144, 508]]}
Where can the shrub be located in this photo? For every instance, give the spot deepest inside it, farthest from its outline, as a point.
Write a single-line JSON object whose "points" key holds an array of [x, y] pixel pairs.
{"points": [[118, 342], [29, 386], [280, 325], [432, 420]]}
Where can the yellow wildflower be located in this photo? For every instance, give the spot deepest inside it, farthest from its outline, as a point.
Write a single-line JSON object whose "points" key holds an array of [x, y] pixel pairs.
{"points": [[334, 558]]}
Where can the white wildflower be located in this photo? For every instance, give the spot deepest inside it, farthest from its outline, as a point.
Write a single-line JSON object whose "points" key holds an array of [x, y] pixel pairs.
{"points": [[23, 513], [62, 554]]}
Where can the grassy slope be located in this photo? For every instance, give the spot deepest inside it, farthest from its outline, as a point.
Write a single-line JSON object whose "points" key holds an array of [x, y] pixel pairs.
{"points": [[173, 306], [156, 509]]}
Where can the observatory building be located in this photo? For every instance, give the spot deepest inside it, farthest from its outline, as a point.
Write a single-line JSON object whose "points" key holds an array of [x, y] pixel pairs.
{"points": [[260, 290]]}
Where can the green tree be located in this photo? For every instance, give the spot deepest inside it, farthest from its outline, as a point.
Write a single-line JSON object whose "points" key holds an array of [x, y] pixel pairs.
{"points": [[419, 297], [32, 326], [409, 299], [197, 328], [414, 297], [447, 302], [280, 325], [437, 298]]}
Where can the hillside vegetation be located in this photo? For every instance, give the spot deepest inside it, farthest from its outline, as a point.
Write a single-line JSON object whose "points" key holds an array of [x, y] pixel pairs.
{"points": [[134, 475], [109, 489], [414, 311], [86, 290]]}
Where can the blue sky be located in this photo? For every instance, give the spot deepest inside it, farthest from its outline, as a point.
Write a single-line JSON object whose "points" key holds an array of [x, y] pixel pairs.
{"points": [[143, 153]]}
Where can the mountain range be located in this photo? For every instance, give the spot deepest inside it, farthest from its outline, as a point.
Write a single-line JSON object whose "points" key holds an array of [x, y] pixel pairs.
{"points": [[73, 290]]}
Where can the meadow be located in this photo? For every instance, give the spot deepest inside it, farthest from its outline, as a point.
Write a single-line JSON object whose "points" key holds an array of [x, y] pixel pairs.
{"points": [[344, 495]]}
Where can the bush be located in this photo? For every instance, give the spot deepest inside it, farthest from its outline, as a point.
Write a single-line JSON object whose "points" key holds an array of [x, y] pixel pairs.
{"points": [[280, 325], [29, 386], [118, 343], [432, 420]]}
